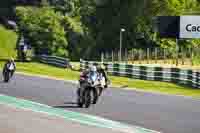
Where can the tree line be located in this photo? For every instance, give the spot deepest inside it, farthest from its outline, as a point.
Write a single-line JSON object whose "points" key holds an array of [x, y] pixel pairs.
{"points": [[85, 28]]}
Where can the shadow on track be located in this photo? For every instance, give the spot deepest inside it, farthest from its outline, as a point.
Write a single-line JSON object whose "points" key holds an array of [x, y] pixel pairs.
{"points": [[72, 103], [2, 82], [67, 105]]}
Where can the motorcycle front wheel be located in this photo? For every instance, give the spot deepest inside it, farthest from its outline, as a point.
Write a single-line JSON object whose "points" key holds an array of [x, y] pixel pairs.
{"points": [[95, 95], [6, 77], [87, 98], [80, 101]]}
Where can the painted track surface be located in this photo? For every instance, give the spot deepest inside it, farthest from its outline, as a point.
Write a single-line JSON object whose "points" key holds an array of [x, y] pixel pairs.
{"points": [[169, 114], [14, 120]]}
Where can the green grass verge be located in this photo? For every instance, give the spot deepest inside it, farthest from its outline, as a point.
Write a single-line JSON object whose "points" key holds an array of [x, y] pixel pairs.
{"points": [[156, 86], [153, 86], [42, 69], [8, 41]]}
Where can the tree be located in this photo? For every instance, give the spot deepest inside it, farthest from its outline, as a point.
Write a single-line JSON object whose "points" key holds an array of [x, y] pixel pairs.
{"points": [[91, 26], [43, 28]]}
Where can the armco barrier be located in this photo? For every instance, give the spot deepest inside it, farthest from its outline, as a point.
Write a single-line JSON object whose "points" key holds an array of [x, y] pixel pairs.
{"points": [[175, 75], [54, 60]]}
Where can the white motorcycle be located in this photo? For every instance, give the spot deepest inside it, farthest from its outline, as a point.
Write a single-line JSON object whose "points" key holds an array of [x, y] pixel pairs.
{"points": [[88, 91]]}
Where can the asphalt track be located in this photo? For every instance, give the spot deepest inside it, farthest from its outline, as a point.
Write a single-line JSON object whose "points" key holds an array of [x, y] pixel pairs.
{"points": [[168, 114]]}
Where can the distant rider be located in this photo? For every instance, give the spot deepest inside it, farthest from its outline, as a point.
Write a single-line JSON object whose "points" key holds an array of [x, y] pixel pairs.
{"points": [[10, 66]]}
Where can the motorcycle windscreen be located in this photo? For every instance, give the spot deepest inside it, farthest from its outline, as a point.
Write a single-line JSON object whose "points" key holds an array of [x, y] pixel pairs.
{"points": [[93, 77]]}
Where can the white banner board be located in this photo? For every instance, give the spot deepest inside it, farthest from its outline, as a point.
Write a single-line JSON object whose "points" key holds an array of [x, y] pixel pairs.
{"points": [[189, 27]]}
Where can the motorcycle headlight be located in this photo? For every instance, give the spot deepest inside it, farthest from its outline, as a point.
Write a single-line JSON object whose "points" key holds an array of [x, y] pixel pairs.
{"points": [[89, 81]]}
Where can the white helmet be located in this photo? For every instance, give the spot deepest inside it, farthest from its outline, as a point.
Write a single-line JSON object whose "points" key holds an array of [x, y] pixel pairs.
{"points": [[93, 68]]}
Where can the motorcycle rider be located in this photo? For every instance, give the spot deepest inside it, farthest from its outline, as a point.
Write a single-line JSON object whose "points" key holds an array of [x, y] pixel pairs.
{"points": [[101, 71], [9, 66], [85, 74], [93, 71]]}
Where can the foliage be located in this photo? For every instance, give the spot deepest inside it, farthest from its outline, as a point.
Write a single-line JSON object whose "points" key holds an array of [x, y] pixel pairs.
{"points": [[8, 40], [102, 20], [66, 6], [42, 26], [71, 27]]}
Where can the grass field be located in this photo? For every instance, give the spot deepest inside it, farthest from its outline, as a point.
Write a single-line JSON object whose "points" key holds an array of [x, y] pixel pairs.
{"points": [[156, 86], [42, 69], [8, 41]]}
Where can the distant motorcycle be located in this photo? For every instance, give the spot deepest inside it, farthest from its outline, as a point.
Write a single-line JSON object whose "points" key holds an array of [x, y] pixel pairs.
{"points": [[8, 71], [89, 90], [7, 75]]}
